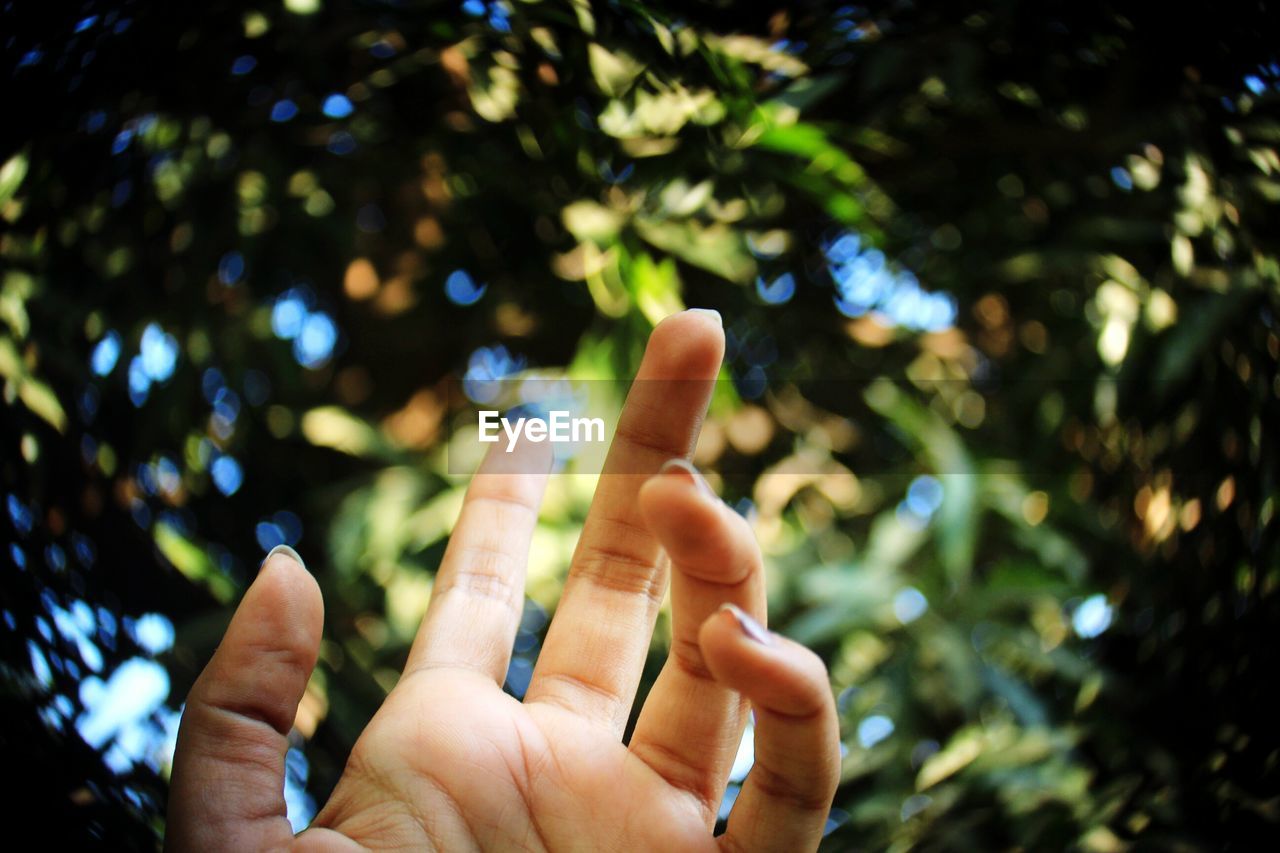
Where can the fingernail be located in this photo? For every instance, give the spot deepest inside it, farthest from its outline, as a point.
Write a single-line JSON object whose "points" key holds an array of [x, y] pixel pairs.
{"points": [[684, 468], [753, 629], [709, 312], [287, 551]]}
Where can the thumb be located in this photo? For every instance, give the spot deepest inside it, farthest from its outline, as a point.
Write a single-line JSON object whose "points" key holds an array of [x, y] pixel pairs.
{"points": [[227, 786]]}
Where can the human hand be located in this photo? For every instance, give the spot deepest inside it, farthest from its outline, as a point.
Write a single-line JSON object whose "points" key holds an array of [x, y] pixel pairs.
{"points": [[451, 762]]}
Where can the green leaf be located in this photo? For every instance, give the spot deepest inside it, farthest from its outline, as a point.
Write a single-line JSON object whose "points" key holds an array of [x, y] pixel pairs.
{"points": [[38, 397], [192, 561], [1197, 330], [614, 70], [810, 143], [336, 428], [715, 248], [961, 751], [756, 51], [656, 287], [589, 220], [957, 518], [808, 91], [12, 174]]}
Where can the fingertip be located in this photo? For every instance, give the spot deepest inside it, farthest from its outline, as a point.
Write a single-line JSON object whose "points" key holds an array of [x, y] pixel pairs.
{"points": [[286, 596], [747, 624], [690, 344], [724, 640], [773, 671], [708, 314], [708, 317], [704, 537], [678, 483], [683, 469], [285, 551]]}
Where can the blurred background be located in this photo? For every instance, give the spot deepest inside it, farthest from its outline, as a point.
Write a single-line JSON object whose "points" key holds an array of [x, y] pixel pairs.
{"points": [[1002, 367]]}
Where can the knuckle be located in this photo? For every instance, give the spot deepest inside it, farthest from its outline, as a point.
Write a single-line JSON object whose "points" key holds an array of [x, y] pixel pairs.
{"points": [[505, 503], [620, 570], [486, 573]]}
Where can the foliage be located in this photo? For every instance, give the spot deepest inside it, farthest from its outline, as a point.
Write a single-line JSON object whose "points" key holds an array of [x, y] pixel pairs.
{"points": [[1001, 291]]}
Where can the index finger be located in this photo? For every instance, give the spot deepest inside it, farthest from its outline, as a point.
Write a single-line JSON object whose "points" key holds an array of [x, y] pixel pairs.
{"points": [[596, 645]]}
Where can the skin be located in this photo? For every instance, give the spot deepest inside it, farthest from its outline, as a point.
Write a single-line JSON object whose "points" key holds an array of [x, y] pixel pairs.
{"points": [[450, 762]]}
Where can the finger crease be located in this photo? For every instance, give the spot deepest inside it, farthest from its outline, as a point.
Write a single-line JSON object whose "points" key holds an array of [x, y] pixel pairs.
{"points": [[679, 772], [501, 500], [777, 786], [627, 525], [803, 718], [526, 783], [582, 687], [451, 803], [722, 584], [687, 656], [643, 439], [249, 712], [487, 575], [599, 564]]}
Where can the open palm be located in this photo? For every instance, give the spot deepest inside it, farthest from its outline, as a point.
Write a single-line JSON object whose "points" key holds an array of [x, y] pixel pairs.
{"points": [[450, 762]]}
